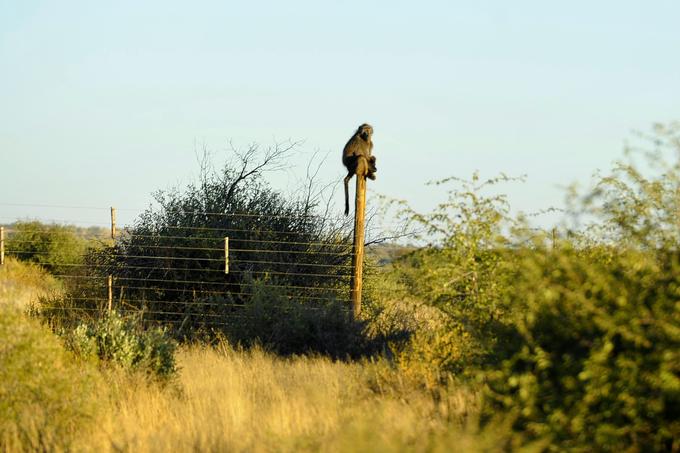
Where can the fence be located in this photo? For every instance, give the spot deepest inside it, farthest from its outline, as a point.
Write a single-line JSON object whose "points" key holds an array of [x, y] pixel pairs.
{"points": [[193, 268]]}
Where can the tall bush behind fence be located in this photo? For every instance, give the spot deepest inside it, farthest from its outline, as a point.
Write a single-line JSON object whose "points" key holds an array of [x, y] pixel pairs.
{"points": [[171, 261]]}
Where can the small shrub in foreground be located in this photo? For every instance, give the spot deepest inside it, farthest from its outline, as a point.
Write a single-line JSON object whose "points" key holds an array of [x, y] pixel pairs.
{"points": [[125, 343]]}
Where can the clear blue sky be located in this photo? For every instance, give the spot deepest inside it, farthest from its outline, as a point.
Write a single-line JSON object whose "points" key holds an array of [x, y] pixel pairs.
{"points": [[101, 102]]}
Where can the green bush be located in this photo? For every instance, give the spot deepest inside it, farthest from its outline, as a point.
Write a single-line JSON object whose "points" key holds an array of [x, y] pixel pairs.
{"points": [[125, 343], [171, 260], [599, 359], [462, 277], [46, 399], [56, 247], [290, 326], [575, 334], [636, 205]]}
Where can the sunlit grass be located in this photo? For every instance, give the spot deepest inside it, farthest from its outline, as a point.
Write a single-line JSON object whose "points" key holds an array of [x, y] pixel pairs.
{"points": [[47, 398], [230, 400], [227, 399], [22, 284]]}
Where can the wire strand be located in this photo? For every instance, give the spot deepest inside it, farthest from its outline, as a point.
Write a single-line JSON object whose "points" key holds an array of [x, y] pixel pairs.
{"points": [[197, 238], [207, 292], [172, 247], [195, 282], [116, 265]]}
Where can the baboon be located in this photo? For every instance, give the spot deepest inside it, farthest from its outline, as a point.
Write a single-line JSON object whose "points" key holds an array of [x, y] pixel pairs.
{"points": [[359, 145]]}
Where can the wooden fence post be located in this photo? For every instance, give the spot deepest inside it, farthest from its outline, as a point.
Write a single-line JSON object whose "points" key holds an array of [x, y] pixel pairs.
{"points": [[2, 245], [356, 282], [113, 223], [110, 285], [226, 255], [110, 279]]}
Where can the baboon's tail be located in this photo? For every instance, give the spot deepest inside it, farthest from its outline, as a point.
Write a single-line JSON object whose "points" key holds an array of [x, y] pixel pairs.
{"points": [[346, 199]]}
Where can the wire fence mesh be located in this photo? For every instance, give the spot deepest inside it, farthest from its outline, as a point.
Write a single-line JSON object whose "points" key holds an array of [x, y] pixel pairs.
{"points": [[173, 270]]}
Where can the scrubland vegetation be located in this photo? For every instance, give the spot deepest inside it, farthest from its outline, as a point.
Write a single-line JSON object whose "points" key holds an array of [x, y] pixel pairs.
{"points": [[495, 336], [223, 398]]}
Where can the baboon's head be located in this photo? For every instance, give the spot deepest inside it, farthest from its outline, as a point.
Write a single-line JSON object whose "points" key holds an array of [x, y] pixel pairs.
{"points": [[365, 131]]}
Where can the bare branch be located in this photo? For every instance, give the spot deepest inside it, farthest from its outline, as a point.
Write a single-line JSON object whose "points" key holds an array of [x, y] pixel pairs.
{"points": [[273, 159], [389, 238]]}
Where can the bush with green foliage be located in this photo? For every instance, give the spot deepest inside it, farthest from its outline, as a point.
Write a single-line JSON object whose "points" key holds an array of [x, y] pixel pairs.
{"points": [[56, 247], [171, 261], [462, 276], [291, 326], [46, 397], [637, 205], [577, 335], [598, 361], [126, 343]]}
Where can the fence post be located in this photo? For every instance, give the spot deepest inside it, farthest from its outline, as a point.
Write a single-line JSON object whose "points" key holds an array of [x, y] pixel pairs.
{"points": [[113, 223], [110, 285], [2, 245], [226, 255], [113, 236], [356, 282]]}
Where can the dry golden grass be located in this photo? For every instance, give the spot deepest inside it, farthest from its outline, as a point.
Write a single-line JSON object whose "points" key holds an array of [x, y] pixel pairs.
{"points": [[228, 400], [21, 283], [233, 400]]}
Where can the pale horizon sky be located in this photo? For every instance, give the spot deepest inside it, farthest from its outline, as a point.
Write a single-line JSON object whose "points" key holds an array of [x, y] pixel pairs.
{"points": [[102, 103]]}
